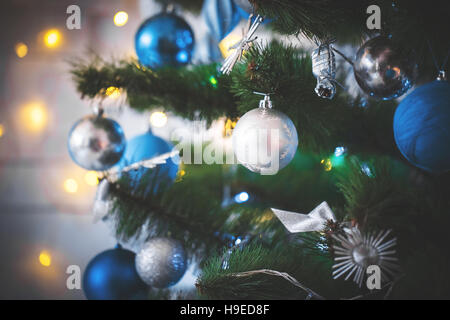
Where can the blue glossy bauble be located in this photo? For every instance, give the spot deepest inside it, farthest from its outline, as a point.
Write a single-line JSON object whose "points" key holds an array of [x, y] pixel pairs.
{"points": [[164, 40], [112, 275], [422, 127], [144, 147]]}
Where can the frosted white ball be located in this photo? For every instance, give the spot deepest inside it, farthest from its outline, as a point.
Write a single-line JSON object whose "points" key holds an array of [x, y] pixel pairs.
{"points": [[265, 140], [161, 262]]}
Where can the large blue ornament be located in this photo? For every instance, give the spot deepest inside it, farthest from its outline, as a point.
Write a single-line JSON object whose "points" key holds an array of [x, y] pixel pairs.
{"points": [[422, 127], [112, 275], [164, 40], [144, 147]]}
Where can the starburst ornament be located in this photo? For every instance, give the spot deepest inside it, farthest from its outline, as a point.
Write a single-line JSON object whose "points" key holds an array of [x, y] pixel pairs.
{"points": [[356, 251], [242, 45]]}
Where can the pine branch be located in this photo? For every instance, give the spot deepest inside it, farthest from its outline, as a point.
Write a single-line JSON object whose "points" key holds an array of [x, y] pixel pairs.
{"points": [[283, 70], [192, 92], [315, 18], [312, 272]]}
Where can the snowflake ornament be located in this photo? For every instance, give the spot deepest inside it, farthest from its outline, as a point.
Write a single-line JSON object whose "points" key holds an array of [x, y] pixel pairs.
{"points": [[356, 251]]}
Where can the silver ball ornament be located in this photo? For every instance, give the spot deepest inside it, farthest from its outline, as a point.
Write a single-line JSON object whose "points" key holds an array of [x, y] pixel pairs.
{"points": [[265, 140], [96, 143], [382, 71], [161, 262]]}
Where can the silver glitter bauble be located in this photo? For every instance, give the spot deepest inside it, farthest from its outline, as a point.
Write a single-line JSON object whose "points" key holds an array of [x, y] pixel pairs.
{"points": [[382, 71], [324, 69], [244, 5], [161, 262], [265, 140], [96, 143]]}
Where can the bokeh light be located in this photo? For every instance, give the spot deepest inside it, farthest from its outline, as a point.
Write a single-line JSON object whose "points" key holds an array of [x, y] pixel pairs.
{"points": [[113, 92], [241, 197], [2, 130], [120, 18], [45, 258], [158, 119], [340, 151], [52, 38], [327, 165], [70, 185], [21, 49], [34, 116], [91, 178]]}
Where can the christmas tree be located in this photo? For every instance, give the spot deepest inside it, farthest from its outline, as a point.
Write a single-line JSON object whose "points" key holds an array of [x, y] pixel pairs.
{"points": [[382, 173]]}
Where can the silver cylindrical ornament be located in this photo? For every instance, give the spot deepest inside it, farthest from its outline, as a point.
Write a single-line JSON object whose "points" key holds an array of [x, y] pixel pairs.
{"points": [[324, 69]]}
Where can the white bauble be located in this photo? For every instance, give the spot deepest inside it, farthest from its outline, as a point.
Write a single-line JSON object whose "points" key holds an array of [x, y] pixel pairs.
{"points": [[265, 140]]}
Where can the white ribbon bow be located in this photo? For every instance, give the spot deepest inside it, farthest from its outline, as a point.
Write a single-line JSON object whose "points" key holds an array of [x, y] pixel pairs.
{"points": [[314, 221]]}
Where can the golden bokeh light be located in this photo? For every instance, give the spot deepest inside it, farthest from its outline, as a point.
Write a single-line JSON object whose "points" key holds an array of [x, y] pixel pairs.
{"points": [[52, 38], [120, 18], [70, 185], [21, 49], [113, 92], [34, 116], [91, 178], [229, 126], [158, 119], [2, 130], [327, 165], [45, 258]]}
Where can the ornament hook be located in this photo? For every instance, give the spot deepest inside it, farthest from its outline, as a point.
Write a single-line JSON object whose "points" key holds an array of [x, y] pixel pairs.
{"points": [[265, 103]]}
